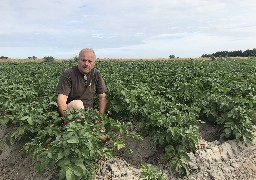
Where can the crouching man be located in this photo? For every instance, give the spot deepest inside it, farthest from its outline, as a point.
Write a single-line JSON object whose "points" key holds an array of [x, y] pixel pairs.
{"points": [[78, 85]]}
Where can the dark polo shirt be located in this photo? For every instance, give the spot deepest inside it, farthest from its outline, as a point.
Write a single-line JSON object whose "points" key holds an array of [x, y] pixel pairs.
{"points": [[73, 85]]}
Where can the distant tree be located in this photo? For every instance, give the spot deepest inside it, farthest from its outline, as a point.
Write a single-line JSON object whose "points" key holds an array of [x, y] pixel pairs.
{"points": [[33, 57], [238, 53], [171, 56], [250, 53], [48, 59], [206, 55], [3, 57]]}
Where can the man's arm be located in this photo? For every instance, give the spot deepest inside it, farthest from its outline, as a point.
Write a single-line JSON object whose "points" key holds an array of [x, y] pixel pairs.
{"points": [[102, 102], [62, 104], [102, 109]]}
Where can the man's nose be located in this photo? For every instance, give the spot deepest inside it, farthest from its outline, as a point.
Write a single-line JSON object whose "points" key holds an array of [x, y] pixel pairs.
{"points": [[87, 63]]}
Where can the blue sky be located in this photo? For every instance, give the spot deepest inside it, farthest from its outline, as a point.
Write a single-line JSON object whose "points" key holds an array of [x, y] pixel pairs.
{"points": [[125, 28]]}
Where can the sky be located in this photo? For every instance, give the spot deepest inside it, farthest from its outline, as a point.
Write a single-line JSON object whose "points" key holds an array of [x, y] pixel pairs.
{"points": [[125, 28]]}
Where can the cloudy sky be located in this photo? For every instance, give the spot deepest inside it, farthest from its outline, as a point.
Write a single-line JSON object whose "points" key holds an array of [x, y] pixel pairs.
{"points": [[125, 28]]}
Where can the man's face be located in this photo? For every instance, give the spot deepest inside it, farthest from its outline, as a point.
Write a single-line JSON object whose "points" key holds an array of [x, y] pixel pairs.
{"points": [[86, 62]]}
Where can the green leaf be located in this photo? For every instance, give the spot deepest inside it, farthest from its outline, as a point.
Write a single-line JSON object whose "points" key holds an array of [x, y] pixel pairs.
{"points": [[77, 172], [81, 165], [227, 131], [24, 118], [238, 135], [53, 103], [69, 174], [161, 140], [63, 162], [49, 154], [119, 145], [73, 140], [30, 121], [4, 121], [60, 155]]}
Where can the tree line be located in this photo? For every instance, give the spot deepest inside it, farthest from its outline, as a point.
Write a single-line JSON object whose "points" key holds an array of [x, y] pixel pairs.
{"points": [[46, 58], [239, 53]]}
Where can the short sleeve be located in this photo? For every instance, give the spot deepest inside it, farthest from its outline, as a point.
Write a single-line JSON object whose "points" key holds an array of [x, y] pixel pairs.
{"points": [[64, 84], [100, 84]]}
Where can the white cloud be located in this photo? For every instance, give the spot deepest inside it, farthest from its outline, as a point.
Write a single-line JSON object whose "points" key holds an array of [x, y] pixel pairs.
{"points": [[97, 36], [140, 28]]}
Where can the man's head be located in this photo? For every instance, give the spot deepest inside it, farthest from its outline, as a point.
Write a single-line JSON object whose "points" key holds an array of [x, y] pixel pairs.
{"points": [[86, 60]]}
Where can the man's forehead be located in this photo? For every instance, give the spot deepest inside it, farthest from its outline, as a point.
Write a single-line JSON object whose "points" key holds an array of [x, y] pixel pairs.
{"points": [[87, 55]]}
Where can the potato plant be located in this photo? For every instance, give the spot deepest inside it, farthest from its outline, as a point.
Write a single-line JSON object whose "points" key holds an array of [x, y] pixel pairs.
{"points": [[164, 98]]}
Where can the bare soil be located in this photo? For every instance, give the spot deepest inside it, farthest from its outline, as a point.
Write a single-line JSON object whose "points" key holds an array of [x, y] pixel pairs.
{"points": [[218, 160]]}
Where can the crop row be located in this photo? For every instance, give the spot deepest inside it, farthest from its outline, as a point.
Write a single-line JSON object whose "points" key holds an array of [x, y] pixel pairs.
{"points": [[166, 99]]}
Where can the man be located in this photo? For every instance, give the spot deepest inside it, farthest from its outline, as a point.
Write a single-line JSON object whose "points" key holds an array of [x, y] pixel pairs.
{"points": [[78, 85]]}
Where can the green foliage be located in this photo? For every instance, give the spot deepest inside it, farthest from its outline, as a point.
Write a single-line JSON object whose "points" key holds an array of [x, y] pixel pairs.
{"points": [[164, 98], [28, 103], [76, 147], [149, 172]]}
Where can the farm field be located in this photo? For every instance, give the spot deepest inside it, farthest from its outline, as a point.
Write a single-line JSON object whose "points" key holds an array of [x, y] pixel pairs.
{"points": [[185, 112]]}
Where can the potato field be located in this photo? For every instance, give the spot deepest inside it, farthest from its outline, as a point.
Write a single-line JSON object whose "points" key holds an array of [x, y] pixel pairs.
{"points": [[164, 99]]}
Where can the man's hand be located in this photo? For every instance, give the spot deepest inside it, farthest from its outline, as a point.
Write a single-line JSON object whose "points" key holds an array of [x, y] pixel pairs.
{"points": [[102, 137], [98, 121]]}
